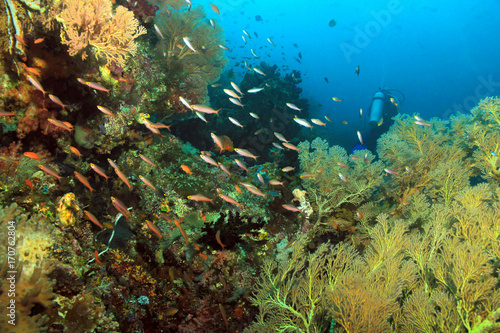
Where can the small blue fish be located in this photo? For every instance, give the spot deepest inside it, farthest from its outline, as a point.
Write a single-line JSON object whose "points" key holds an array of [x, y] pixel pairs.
{"points": [[494, 154]]}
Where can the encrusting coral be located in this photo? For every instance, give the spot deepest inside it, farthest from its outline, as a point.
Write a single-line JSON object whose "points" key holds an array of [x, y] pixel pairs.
{"points": [[32, 294]]}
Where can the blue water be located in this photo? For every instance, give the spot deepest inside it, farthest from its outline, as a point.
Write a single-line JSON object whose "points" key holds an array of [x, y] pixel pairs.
{"points": [[444, 56]]}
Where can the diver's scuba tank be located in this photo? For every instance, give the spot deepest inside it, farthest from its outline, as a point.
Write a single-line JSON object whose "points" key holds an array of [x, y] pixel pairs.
{"points": [[384, 105], [376, 108]]}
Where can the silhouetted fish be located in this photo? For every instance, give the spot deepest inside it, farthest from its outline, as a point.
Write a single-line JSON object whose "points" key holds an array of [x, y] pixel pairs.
{"points": [[326, 79]]}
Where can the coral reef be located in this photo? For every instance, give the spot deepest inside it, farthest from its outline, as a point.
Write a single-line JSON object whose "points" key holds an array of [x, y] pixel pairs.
{"points": [[179, 235]]}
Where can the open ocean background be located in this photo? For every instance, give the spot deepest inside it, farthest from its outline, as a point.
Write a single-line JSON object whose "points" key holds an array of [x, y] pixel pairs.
{"points": [[442, 55]]}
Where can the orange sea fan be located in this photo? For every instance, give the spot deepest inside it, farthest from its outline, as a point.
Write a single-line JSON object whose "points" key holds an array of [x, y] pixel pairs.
{"points": [[92, 23]]}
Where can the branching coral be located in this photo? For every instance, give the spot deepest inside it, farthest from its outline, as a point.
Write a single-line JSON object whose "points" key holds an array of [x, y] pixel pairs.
{"points": [[92, 23], [327, 190]]}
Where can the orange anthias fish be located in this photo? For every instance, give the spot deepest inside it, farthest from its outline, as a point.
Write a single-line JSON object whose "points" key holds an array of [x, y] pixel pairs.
{"points": [[36, 84], [20, 40], [99, 171], [230, 200], [147, 160], [66, 126], [186, 169], [183, 233], [154, 228], [120, 207], [49, 171], [93, 85], [227, 143], [29, 183], [31, 155], [93, 219], [203, 216], [31, 70], [123, 178], [214, 8], [217, 237], [96, 256], [75, 151], [147, 182], [200, 197], [84, 181]]}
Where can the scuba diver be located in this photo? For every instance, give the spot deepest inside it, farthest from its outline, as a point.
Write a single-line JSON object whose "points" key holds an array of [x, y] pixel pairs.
{"points": [[383, 107]]}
